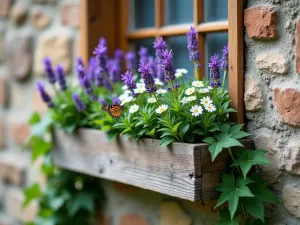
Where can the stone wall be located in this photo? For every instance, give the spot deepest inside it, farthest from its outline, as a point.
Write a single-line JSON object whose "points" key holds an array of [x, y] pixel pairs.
{"points": [[272, 97]]}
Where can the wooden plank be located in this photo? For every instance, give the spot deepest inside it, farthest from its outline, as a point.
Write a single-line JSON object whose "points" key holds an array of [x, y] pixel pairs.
{"points": [[219, 26], [159, 15], [123, 24], [177, 170], [236, 59], [199, 18]]}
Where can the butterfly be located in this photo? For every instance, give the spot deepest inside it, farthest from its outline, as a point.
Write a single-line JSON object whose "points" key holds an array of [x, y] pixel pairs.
{"points": [[113, 110]]}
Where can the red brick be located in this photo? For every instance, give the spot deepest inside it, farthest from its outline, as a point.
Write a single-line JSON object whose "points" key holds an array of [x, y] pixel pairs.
{"points": [[20, 132], [40, 19], [287, 102], [261, 22], [298, 47], [5, 7], [3, 92], [70, 15], [132, 219], [124, 188], [2, 138]]}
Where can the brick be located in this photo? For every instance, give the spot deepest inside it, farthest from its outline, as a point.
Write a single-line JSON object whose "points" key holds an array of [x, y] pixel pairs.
{"points": [[5, 7], [252, 95], [130, 219], [298, 46], [14, 206], [124, 188], [291, 199], [12, 168], [272, 62], [2, 138], [19, 56], [19, 132], [261, 22], [3, 92], [287, 102], [38, 104], [57, 47], [40, 19], [18, 13], [292, 156], [171, 213], [70, 15]]}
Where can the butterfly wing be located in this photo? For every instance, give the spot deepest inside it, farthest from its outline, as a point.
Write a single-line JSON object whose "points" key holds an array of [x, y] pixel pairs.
{"points": [[115, 110]]}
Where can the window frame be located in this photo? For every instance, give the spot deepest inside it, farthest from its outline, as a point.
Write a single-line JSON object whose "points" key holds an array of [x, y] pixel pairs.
{"points": [[110, 19]]}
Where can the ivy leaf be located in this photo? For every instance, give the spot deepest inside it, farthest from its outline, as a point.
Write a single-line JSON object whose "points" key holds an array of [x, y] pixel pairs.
{"points": [[254, 206], [80, 201], [232, 190], [39, 147], [247, 158], [39, 129], [209, 140], [57, 202], [225, 218], [34, 119], [166, 140], [31, 193]]}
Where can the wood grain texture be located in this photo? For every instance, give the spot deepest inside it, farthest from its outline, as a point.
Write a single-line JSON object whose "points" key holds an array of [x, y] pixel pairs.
{"points": [[181, 170]]}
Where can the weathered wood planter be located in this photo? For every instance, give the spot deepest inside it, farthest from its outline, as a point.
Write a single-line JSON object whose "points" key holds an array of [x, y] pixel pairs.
{"points": [[181, 170]]}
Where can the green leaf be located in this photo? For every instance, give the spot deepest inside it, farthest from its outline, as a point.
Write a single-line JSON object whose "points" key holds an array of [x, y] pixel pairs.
{"points": [[166, 140], [239, 134], [254, 206], [225, 128], [34, 119], [209, 140], [183, 129], [198, 131], [247, 158], [215, 150], [39, 147], [225, 218], [80, 201], [31, 193], [175, 128], [232, 191], [57, 202], [235, 128], [39, 129]]}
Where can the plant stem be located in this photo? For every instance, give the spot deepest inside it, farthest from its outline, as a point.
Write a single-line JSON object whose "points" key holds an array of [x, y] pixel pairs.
{"points": [[109, 81], [224, 80], [196, 71]]}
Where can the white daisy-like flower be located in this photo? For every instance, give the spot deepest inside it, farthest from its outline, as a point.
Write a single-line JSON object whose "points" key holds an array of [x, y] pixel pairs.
{"points": [[191, 98], [161, 91], [158, 82], [151, 100], [124, 87], [206, 101], [139, 90], [126, 100], [140, 85], [210, 108], [190, 91], [184, 100], [179, 73], [198, 84], [123, 96], [134, 108], [161, 109], [210, 88], [196, 110], [203, 90]]}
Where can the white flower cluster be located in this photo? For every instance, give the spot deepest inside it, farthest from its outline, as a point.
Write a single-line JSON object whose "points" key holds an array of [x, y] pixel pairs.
{"points": [[179, 73]]}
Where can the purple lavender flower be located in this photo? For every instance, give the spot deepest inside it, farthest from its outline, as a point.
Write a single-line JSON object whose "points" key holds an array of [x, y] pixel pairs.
{"points": [[224, 60], [128, 80], [80, 61], [101, 55], [153, 66], [145, 71], [91, 69], [44, 95], [143, 53], [49, 70], [167, 64], [60, 76], [119, 55], [102, 101], [78, 103], [169, 89], [193, 46], [114, 70], [98, 78], [159, 46], [130, 60], [214, 71], [86, 84], [176, 86], [116, 101]]}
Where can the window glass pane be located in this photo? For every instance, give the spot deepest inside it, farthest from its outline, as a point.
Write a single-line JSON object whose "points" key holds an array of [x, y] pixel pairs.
{"points": [[147, 43], [214, 43], [141, 14], [178, 44], [216, 10], [178, 11]]}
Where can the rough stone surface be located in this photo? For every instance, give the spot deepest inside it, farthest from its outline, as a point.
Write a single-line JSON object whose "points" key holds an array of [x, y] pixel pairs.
{"points": [[19, 56], [70, 15], [272, 62], [3, 92], [2, 47], [298, 46], [44, 1], [5, 7], [38, 104], [40, 19], [172, 214], [287, 102], [19, 132], [252, 95], [18, 13], [292, 157], [57, 47], [291, 199], [2, 138], [14, 205], [5, 220], [129, 219], [261, 22]]}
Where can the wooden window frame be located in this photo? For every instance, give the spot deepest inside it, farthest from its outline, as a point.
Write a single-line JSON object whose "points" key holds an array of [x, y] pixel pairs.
{"points": [[110, 19]]}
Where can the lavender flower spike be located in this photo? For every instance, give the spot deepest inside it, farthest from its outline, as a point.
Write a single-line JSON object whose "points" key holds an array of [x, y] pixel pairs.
{"points": [[60, 76], [44, 95], [116, 101], [224, 60], [78, 103], [143, 53], [49, 70], [145, 71], [128, 80], [167, 64], [102, 101], [214, 71], [130, 60], [193, 46], [159, 45]]}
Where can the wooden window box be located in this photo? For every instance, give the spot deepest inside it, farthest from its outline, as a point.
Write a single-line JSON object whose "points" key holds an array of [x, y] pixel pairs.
{"points": [[182, 170]]}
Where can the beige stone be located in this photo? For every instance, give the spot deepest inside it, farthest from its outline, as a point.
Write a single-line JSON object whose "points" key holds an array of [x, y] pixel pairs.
{"points": [[44, 1], [18, 13], [57, 47], [40, 19], [70, 15], [2, 138], [292, 157], [14, 205], [19, 132], [172, 214], [252, 95], [298, 46], [3, 92], [130, 219], [272, 62], [2, 47], [291, 199], [5, 6]]}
